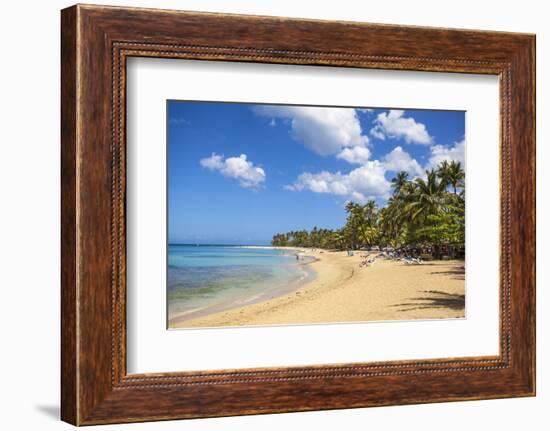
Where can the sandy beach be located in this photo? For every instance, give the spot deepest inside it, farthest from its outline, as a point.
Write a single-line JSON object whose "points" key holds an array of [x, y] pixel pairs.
{"points": [[345, 291]]}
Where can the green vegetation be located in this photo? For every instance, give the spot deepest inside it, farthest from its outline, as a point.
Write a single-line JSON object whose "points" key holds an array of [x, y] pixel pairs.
{"points": [[424, 215]]}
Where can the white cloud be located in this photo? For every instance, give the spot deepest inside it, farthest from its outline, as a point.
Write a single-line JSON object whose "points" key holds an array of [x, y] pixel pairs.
{"points": [[325, 131], [354, 155], [365, 110], [399, 160], [449, 153], [238, 168], [361, 184], [214, 162], [394, 125]]}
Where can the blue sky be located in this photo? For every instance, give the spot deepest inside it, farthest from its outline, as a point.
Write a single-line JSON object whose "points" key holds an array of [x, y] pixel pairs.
{"points": [[239, 173]]}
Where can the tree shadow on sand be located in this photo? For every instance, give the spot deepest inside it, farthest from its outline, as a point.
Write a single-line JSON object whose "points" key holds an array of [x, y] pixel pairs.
{"points": [[434, 299], [456, 272]]}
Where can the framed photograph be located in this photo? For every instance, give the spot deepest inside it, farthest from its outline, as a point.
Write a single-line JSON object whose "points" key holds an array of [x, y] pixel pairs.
{"points": [[265, 261], [264, 215]]}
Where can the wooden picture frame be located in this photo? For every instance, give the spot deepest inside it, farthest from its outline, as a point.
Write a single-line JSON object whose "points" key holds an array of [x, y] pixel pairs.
{"points": [[95, 43]]}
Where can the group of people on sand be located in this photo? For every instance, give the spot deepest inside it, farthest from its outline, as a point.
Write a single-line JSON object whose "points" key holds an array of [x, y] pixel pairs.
{"points": [[366, 260]]}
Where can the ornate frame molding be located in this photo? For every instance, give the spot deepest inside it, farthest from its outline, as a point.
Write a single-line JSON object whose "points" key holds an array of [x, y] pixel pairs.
{"points": [[96, 41]]}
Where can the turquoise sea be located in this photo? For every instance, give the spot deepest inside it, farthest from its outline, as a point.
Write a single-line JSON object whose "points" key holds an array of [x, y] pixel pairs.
{"points": [[205, 279]]}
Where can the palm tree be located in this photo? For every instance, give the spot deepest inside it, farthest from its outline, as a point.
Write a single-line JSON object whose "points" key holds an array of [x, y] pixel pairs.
{"points": [[456, 175], [427, 197], [450, 174], [399, 182], [368, 235], [337, 238], [370, 212], [392, 220], [443, 173]]}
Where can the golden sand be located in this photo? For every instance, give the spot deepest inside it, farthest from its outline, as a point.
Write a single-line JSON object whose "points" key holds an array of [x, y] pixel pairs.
{"points": [[345, 291]]}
